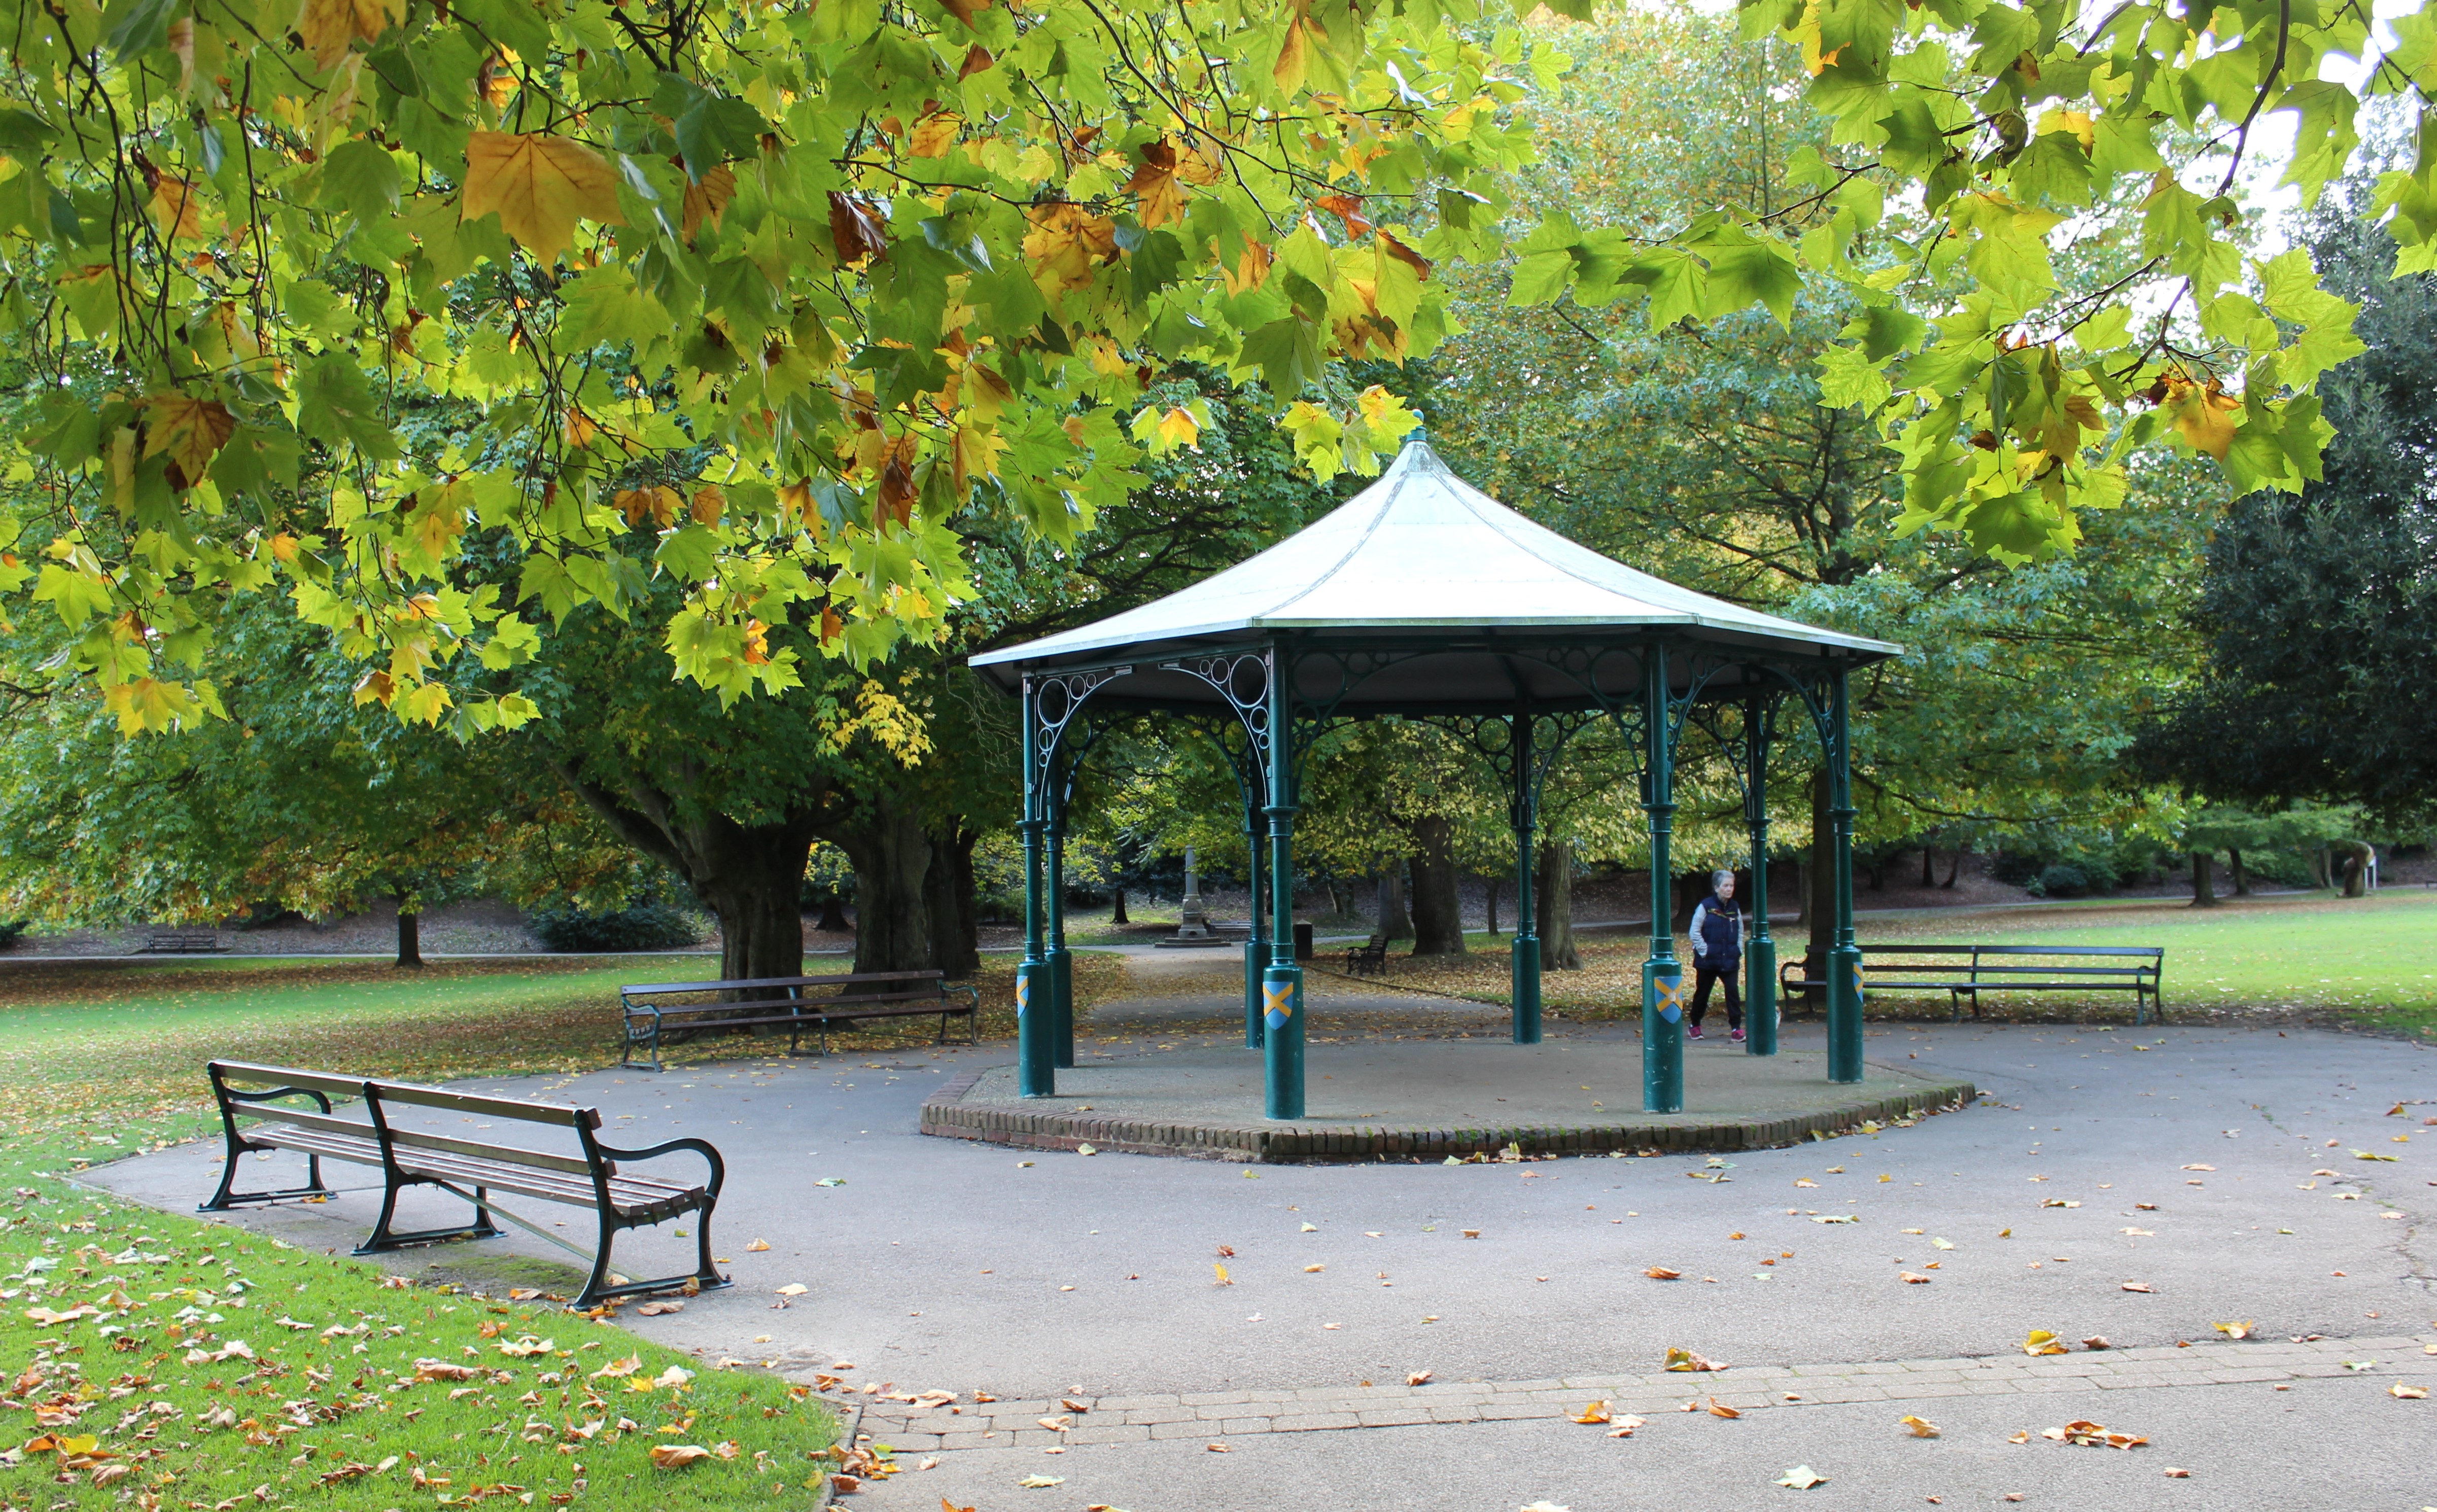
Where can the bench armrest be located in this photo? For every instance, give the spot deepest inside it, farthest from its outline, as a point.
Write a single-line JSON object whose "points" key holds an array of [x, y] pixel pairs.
{"points": [[700, 1147]]}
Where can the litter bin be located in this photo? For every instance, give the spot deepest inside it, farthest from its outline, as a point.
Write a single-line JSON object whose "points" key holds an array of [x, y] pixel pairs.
{"points": [[1302, 940]]}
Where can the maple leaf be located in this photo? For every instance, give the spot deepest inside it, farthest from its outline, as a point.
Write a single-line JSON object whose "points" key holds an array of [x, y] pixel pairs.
{"points": [[2204, 415], [708, 198], [1065, 243], [176, 208], [935, 135], [190, 430], [678, 1456], [540, 185], [856, 228], [329, 25], [1159, 194]]}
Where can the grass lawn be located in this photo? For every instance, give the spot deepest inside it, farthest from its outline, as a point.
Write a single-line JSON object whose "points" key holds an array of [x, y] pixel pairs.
{"points": [[151, 1360], [2366, 961]]}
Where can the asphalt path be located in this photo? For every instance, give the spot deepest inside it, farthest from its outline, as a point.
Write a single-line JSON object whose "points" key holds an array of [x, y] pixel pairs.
{"points": [[2220, 1169]]}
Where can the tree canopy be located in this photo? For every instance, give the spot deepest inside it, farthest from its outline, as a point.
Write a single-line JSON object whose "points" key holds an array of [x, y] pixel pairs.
{"points": [[764, 301]]}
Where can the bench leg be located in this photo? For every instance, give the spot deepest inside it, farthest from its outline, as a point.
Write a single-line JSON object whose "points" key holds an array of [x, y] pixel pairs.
{"points": [[383, 1237], [228, 1196], [705, 1276]]}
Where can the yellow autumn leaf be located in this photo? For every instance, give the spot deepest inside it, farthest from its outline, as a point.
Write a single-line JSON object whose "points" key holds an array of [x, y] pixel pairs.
{"points": [[540, 185], [2204, 415], [2043, 1343], [678, 1456], [706, 199], [1921, 1427], [1292, 60], [935, 134], [190, 430], [1252, 270], [178, 208], [328, 26], [976, 453], [2076, 124], [1065, 243], [710, 501], [1177, 428]]}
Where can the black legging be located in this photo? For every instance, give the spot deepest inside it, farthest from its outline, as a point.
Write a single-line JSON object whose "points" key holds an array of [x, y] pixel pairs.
{"points": [[1733, 976]]}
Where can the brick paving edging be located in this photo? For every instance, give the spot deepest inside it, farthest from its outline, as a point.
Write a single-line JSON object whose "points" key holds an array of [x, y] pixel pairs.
{"points": [[948, 1114], [1747, 1388]]}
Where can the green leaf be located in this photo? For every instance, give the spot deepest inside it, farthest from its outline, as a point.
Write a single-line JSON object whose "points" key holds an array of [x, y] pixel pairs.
{"points": [[334, 403], [360, 176], [1762, 270]]}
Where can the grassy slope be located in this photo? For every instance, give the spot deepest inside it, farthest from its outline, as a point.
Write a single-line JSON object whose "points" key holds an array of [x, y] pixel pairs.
{"points": [[97, 1062]]}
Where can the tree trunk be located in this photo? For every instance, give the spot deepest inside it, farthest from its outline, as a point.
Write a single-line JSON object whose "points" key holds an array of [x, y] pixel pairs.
{"points": [[2203, 882], [409, 938], [832, 919], [1928, 864], [948, 892], [1953, 866], [891, 856], [1492, 884], [1438, 908], [750, 875], [1552, 905], [1118, 914], [2323, 871], [2241, 876], [1394, 923], [2356, 859]]}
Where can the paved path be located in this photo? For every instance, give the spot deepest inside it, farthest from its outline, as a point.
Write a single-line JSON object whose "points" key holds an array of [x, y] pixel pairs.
{"points": [[2213, 1167]]}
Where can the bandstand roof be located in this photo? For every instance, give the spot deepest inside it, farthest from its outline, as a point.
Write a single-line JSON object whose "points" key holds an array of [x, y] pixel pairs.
{"points": [[1438, 599]]}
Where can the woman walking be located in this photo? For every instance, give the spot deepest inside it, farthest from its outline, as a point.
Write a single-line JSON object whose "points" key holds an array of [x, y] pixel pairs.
{"points": [[1718, 954]]}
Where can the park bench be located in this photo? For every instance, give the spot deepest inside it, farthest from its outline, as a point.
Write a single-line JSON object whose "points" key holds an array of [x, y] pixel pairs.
{"points": [[183, 942], [2135, 969], [652, 1019], [472, 1168], [1368, 958]]}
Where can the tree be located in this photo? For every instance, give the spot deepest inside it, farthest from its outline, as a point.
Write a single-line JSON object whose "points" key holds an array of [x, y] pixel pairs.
{"points": [[2320, 612], [800, 286], [300, 800]]}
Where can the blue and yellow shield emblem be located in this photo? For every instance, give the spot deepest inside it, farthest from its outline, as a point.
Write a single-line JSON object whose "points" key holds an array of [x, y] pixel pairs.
{"points": [[1670, 991], [1278, 1002]]}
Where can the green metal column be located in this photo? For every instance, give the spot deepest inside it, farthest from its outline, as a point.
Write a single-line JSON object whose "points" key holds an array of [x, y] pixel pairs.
{"points": [[1257, 948], [1524, 811], [1662, 978], [1062, 966], [1760, 952], [1282, 1002], [1844, 957], [1036, 1074]]}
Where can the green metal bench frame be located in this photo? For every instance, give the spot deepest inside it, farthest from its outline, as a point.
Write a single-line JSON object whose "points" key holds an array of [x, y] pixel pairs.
{"points": [[782, 1002], [1971, 978], [470, 1168]]}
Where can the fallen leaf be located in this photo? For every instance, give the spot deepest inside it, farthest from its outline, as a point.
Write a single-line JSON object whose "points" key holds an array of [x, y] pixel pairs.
{"points": [[2097, 1341], [1719, 1409], [2142, 1233], [1914, 1278], [1035, 1483], [758, 1246], [2174, 1475], [1941, 1243], [2235, 1330], [622, 1365], [2043, 1343], [2023, 1437], [1922, 1427], [1056, 1425], [1067, 1402], [1418, 1378], [794, 1289], [2199, 1167], [1802, 1478], [2136, 1286], [1220, 1449], [1472, 1232], [2407, 1393], [1594, 1413], [526, 1347], [1660, 1273], [1681, 1359], [678, 1456]]}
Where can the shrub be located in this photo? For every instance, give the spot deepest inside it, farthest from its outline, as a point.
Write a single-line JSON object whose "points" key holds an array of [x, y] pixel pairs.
{"points": [[9, 933], [643, 926], [2061, 881]]}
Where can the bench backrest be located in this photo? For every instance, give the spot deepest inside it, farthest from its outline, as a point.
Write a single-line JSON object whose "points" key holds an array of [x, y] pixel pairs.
{"points": [[378, 1095], [792, 984]]}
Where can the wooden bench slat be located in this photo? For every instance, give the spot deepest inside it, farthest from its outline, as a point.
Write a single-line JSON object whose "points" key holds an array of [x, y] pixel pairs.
{"points": [[837, 980]]}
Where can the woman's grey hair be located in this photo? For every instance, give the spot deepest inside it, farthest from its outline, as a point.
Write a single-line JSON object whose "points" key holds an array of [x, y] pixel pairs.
{"points": [[1721, 877]]}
